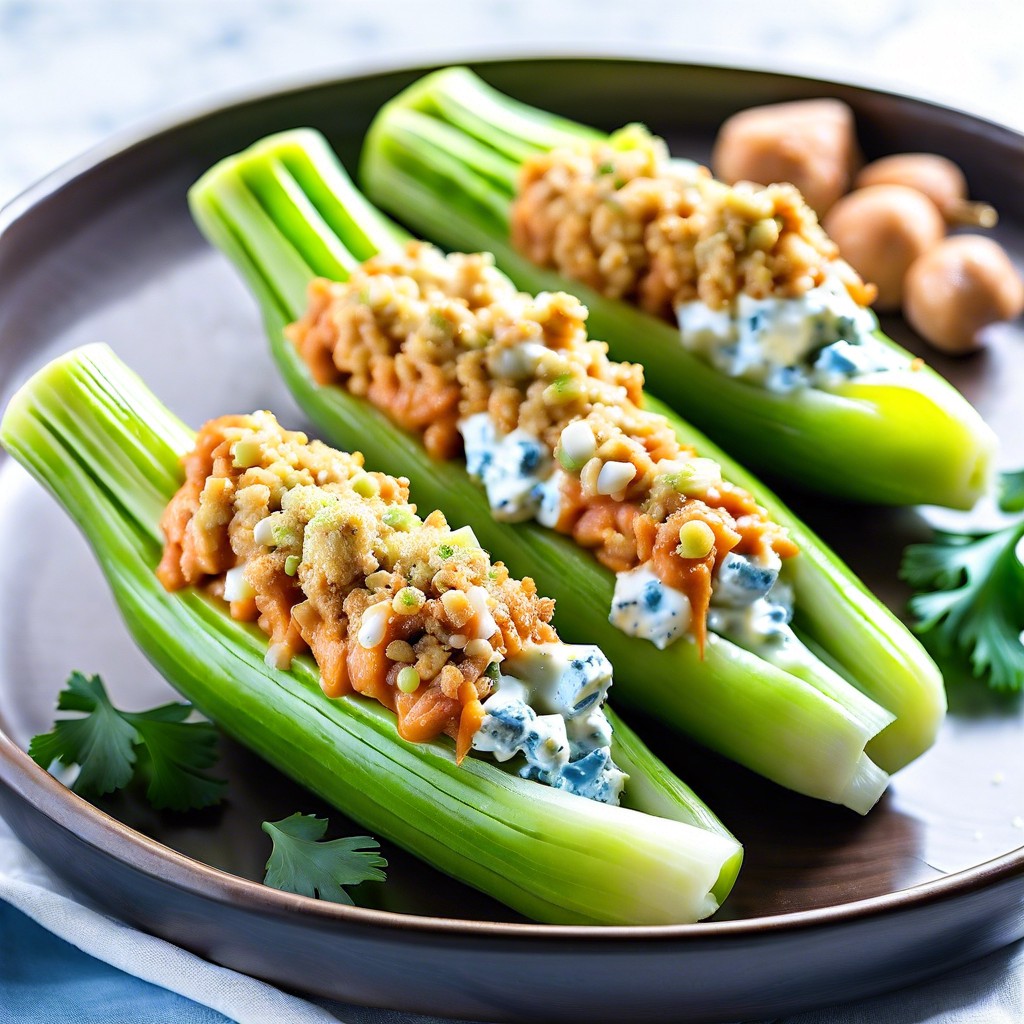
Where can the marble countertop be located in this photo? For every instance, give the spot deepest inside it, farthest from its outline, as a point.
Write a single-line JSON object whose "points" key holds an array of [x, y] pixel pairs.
{"points": [[73, 72]]}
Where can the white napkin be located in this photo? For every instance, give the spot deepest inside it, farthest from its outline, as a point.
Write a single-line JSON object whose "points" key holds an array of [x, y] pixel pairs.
{"points": [[26, 883], [989, 991]]}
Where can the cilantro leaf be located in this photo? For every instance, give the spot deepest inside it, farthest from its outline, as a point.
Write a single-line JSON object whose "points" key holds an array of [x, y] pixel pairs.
{"points": [[303, 862], [177, 756], [970, 599], [1011, 491], [102, 743], [112, 747]]}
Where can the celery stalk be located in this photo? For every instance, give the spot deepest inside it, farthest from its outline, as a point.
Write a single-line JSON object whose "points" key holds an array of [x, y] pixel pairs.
{"points": [[807, 731], [90, 431], [903, 437]]}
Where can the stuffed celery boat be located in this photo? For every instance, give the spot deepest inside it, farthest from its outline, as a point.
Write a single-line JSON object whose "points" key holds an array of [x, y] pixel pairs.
{"points": [[732, 298], [826, 706], [112, 455]]}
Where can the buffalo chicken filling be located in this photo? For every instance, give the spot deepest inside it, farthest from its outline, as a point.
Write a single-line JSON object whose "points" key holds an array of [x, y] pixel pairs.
{"points": [[329, 558], [552, 427]]}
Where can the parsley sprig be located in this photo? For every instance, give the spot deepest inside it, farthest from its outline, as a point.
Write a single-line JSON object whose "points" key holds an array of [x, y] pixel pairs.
{"points": [[970, 593], [111, 747], [303, 862]]}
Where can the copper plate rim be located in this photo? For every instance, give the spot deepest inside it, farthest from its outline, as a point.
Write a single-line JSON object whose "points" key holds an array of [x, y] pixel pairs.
{"points": [[134, 849]]}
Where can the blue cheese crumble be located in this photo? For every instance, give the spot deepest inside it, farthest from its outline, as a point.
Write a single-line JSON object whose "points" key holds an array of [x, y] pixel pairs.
{"points": [[546, 710], [764, 621], [741, 581], [513, 468], [523, 481], [821, 339], [748, 604], [644, 607]]}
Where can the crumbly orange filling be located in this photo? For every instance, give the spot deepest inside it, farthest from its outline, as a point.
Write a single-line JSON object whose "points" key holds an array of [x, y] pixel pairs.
{"points": [[433, 339], [335, 561], [632, 225]]}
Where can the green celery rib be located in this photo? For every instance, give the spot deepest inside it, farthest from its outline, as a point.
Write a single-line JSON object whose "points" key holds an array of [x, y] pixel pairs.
{"points": [[808, 734], [512, 128], [906, 437], [859, 633], [91, 432]]}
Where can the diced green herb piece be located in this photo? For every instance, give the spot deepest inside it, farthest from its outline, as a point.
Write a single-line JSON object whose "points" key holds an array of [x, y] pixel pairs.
{"points": [[566, 461], [409, 599], [563, 389], [283, 535], [400, 518], [246, 454], [366, 486], [441, 323]]}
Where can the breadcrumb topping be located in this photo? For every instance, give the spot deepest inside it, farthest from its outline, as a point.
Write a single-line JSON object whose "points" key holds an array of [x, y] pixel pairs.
{"points": [[622, 218], [334, 560]]}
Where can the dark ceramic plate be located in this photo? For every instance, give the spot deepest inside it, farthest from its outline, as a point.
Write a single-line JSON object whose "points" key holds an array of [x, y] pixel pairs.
{"points": [[829, 907]]}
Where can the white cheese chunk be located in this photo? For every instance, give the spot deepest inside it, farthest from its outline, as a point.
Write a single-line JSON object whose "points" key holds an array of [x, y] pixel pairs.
{"points": [[644, 607], [819, 339]]}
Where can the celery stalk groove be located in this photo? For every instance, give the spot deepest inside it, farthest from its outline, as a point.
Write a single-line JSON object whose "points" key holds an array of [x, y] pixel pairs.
{"points": [[90, 431], [905, 437], [808, 734]]}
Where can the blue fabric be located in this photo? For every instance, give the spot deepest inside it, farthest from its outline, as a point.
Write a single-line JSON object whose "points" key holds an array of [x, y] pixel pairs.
{"points": [[44, 980]]}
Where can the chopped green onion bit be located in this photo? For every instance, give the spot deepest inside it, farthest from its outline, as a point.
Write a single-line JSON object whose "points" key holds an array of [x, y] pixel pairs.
{"points": [[408, 680], [408, 601], [365, 486], [246, 454], [695, 477], [563, 389], [400, 518], [696, 539]]}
